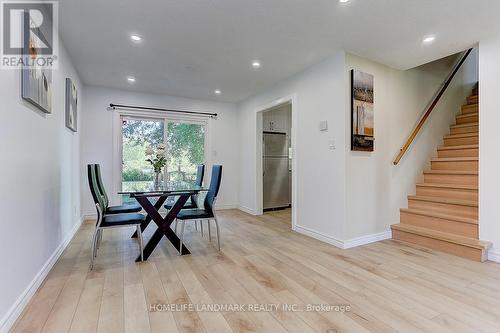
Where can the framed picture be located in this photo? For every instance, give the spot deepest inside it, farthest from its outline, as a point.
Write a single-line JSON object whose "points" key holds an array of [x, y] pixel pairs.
{"points": [[36, 82], [71, 105], [362, 124]]}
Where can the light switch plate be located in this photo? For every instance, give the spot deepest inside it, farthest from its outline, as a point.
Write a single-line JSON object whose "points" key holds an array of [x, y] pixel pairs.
{"points": [[323, 125]]}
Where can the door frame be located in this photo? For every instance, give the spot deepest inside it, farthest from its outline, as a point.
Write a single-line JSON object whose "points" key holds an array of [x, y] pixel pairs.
{"points": [[259, 186], [117, 154]]}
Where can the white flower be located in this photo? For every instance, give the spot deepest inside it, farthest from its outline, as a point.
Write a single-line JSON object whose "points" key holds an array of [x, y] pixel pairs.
{"points": [[149, 151], [161, 146]]}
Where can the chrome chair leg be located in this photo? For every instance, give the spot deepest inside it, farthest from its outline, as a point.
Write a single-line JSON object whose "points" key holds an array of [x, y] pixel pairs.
{"points": [[139, 235], [175, 226], [196, 225], [93, 251], [201, 227], [209, 231], [99, 238], [218, 233], [182, 236]]}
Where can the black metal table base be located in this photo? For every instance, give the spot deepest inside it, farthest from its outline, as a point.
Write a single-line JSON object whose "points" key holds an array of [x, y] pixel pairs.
{"points": [[162, 223]]}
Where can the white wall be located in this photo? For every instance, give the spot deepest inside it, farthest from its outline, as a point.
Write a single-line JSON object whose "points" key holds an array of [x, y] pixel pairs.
{"points": [[40, 182], [97, 137], [376, 189], [320, 172], [489, 153]]}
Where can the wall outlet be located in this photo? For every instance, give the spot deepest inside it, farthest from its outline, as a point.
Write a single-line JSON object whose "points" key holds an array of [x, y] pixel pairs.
{"points": [[331, 145]]}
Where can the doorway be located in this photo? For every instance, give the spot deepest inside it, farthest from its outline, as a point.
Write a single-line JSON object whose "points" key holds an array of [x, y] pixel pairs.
{"points": [[277, 161]]}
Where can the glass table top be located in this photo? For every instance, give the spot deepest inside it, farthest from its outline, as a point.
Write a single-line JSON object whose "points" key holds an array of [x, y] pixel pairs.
{"points": [[148, 188]]}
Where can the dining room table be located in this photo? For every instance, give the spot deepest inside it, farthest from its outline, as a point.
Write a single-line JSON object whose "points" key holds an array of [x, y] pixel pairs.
{"points": [[151, 198]]}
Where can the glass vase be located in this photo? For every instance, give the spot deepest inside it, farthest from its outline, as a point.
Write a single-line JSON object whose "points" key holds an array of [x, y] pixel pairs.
{"points": [[157, 180]]}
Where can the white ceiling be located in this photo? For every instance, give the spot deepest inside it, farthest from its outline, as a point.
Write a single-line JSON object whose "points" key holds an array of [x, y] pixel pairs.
{"points": [[192, 47]]}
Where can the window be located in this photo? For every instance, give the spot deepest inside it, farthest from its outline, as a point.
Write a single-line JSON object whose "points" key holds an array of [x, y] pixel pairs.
{"points": [[185, 142]]}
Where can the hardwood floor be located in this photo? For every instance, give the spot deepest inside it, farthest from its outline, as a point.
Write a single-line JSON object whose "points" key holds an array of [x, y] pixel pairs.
{"points": [[389, 286]]}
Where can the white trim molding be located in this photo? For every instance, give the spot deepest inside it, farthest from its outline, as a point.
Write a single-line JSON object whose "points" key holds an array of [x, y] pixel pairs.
{"points": [[226, 206], [319, 236], [17, 308], [248, 210], [344, 244], [367, 239], [494, 256]]}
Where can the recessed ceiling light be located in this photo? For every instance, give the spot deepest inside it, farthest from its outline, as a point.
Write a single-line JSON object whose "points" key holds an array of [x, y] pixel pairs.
{"points": [[131, 79], [343, 1], [428, 39], [135, 38], [256, 64], [217, 92]]}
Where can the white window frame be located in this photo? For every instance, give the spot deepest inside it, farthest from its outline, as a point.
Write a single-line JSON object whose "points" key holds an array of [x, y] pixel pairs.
{"points": [[117, 158]]}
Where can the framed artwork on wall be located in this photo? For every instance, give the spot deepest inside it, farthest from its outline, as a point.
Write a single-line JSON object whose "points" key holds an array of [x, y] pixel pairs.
{"points": [[71, 105], [362, 122], [36, 82]]}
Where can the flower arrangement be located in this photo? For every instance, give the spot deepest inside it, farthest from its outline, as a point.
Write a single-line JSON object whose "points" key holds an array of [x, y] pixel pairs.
{"points": [[156, 158]]}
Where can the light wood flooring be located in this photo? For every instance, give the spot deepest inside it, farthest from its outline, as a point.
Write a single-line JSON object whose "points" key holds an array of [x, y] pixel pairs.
{"points": [[390, 286]]}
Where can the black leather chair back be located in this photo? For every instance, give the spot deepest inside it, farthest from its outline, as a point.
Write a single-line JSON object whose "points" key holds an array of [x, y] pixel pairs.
{"points": [[213, 190], [94, 189], [200, 172], [100, 185]]}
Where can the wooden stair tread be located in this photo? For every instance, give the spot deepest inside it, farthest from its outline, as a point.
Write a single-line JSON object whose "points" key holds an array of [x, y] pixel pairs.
{"points": [[458, 147], [464, 125], [450, 201], [453, 186], [439, 215], [452, 172], [443, 236], [468, 115], [454, 159], [461, 135], [473, 105]]}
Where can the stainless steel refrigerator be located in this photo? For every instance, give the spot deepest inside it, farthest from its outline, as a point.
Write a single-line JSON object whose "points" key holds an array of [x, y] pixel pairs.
{"points": [[277, 170]]}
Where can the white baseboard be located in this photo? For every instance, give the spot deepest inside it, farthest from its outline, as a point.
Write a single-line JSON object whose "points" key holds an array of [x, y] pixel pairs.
{"points": [[247, 210], [494, 256], [319, 236], [17, 308], [343, 244], [363, 240], [87, 217], [226, 206]]}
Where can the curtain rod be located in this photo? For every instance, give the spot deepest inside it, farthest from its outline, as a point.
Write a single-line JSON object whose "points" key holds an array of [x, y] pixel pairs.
{"points": [[121, 106]]}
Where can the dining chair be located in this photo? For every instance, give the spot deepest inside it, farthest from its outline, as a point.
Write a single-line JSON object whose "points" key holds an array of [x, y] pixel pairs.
{"points": [[193, 202], [127, 208], [208, 210], [105, 221]]}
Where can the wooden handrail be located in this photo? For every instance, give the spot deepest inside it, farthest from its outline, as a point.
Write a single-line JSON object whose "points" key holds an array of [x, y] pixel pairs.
{"points": [[427, 113]]}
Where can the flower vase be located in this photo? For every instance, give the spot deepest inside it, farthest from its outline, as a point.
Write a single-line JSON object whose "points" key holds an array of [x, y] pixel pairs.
{"points": [[157, 181]]}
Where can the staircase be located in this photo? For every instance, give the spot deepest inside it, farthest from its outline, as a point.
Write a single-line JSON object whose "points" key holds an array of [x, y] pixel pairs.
{"points": [[443, 215]]}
